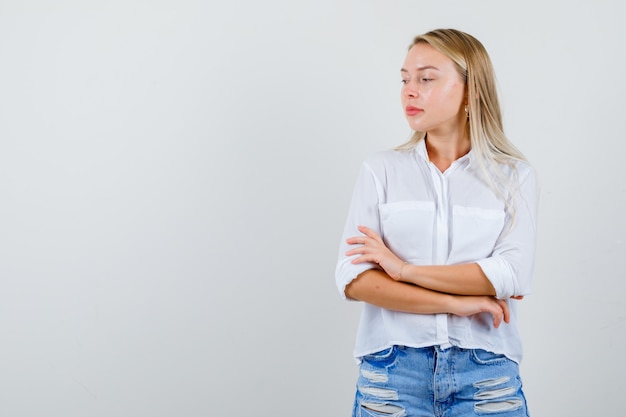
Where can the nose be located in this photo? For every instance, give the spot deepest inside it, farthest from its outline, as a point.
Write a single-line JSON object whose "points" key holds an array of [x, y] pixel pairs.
{"points": [[410, 90]]}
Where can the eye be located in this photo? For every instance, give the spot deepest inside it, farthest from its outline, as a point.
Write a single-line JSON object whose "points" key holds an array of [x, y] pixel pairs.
{"points": [[404, 81], [425, 80]]}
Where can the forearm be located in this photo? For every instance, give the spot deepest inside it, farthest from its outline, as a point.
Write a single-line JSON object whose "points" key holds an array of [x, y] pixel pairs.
{"points": [[376, 287], [464, 279]]}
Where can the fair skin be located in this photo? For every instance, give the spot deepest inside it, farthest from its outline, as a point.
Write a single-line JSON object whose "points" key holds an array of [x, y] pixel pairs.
{"points": [[433, 98]]}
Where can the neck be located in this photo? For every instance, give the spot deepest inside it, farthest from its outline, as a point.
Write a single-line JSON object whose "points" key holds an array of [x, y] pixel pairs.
{"points": [[444, 150]]}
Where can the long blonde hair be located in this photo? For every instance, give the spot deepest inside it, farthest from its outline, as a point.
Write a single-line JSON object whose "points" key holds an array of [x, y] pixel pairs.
{"points": [[489, 144]]}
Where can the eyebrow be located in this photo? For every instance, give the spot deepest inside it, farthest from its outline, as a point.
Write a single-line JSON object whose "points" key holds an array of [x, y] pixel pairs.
{"points": [[421, 68]]}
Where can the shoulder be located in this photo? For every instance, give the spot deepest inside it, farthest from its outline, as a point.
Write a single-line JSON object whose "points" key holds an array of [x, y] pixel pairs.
{"points": [[383, 160], [515, 168], [524, 170], [522, 177]]}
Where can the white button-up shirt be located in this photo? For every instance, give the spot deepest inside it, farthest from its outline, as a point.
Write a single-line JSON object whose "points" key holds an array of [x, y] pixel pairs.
{"points": [[427, 217]]}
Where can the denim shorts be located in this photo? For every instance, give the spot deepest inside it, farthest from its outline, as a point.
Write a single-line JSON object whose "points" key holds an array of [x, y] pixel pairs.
{"points": [[452, 382]]}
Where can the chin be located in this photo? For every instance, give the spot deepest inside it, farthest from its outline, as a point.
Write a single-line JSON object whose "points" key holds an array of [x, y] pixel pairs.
{"points": [[418, 127]]}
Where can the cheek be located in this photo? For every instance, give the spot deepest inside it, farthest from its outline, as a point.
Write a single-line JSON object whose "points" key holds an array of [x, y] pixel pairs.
{"points": [[452, 90], [452, 97], [457, 89]]}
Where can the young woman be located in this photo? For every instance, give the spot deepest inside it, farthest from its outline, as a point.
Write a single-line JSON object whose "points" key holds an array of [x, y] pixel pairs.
{"points": [[439, 245]]}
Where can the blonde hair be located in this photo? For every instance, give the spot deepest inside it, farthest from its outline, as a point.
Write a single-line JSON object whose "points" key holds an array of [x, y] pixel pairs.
{"points": [[489, 144]]}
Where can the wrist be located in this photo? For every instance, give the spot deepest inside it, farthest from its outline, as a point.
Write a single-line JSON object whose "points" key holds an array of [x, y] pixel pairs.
{"points": [[400, 277], [452, 304]]}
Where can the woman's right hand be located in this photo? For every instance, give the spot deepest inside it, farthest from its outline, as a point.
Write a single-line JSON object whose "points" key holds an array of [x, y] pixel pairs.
{"points": [[468, 305]]}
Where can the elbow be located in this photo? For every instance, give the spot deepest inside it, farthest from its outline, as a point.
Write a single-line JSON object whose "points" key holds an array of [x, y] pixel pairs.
{"points": [[358, 287], [351, 291], [348, 291]]}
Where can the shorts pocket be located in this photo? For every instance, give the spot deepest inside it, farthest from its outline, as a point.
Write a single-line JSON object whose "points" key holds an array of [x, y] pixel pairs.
{"points": [[484, 357], [383, 358]]}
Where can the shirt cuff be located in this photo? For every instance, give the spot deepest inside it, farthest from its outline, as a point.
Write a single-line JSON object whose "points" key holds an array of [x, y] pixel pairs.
{"points": [[347, 272], [501, 276]]}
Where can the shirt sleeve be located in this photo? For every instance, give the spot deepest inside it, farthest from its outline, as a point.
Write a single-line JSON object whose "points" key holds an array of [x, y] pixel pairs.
{"points": [[511, 265], [363, 211]]}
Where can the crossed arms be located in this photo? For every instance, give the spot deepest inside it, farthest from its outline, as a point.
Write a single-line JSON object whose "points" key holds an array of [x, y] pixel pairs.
{"points": [[420, 289]]}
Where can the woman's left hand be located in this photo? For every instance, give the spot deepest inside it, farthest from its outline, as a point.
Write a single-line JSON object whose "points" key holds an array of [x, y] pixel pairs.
{"points": [[374, 250]]}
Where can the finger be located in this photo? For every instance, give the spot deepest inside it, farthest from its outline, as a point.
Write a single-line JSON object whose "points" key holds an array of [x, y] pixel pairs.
{"points": [[497, 318], [364, 229], [363, 259], [354, 239], [357, 240], [359, 260], [505, 310], [356, 251], [369, 232]]}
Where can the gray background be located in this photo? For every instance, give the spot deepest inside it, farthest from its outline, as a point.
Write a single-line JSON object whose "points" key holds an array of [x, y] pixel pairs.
{"points": [[174, 177]]}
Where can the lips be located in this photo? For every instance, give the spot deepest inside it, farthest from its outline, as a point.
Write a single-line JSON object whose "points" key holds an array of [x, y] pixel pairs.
{"points": [[412, 111]]}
